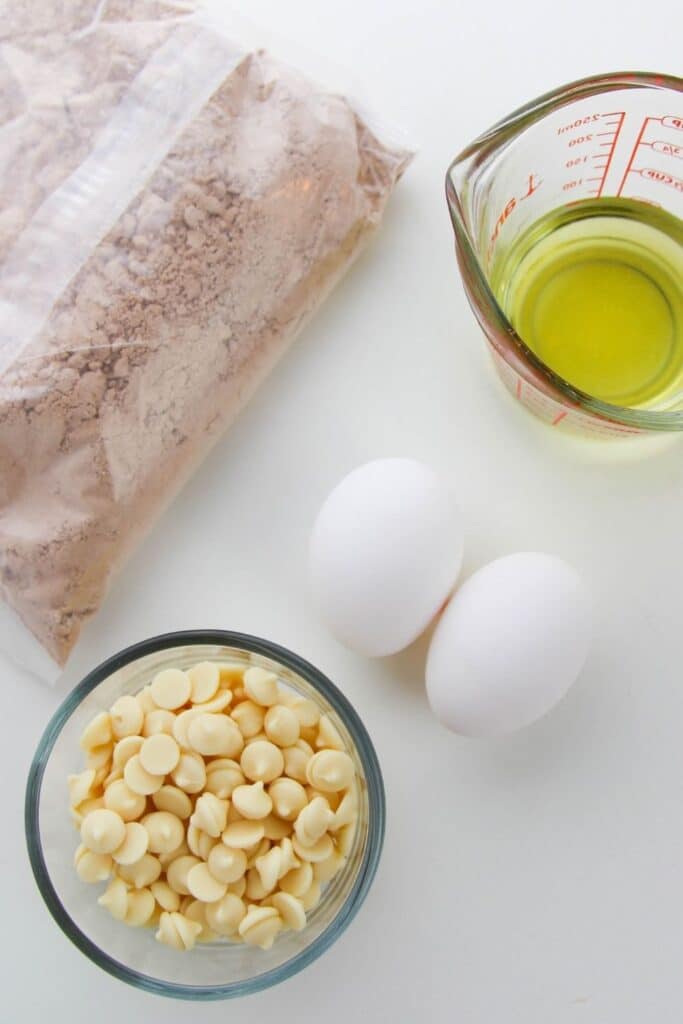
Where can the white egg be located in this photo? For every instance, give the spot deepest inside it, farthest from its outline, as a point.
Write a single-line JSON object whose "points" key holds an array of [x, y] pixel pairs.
{"points": [[385, 553], [509, 645]]}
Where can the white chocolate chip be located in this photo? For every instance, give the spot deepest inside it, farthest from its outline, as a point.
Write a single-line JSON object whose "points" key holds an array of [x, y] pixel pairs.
{"points": [[288, 796], [210, 814], [165, 831], [97, 733], [165, 896], [134, 845], [126, 717], [281, 725], [99, 757], [347, 810], [124, 750], [114, 775], [92, 867], [227, 863], [203, 885], [295, 762], [326, 869], [243, 834], [275, 828], [298, 881], [145, 700], [216, 705], [159, 754], [85, 808], [159, 720], [80, 786], [309, 734], [196, 911], [320, 850], [257, 851], [190, 772], [177, 931], [171, 688], [205, 679], [288, 860], [239, 887], [259, 926], [177, 872], [181, 725], [138, 779], [287, 696], [268, 867], [173, 800], [115, 899], [215, 735], [140, 908], [313, 821], [262, 761], [333, 799], [224, 915], [166, 858], [256, 891], [142, 873], [249, 718], [252, 801], [311, 899], [200, 843], [103, 831], [345, 838], [306, 711], [328, 735], [120, 797], [233, 813], [290, 909], [223, 776], [261, 686], [330, 770]]}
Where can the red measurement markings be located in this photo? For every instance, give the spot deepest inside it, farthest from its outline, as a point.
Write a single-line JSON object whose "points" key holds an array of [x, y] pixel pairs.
{"points": [[661, 177], [659, 146], [632, 157], [582, 122], [666, 147], [603, 142], [613, 145], [533, 183]]}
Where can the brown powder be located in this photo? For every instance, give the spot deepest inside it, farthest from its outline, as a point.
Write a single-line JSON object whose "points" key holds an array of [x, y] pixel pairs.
{"points": [[176, 314]]}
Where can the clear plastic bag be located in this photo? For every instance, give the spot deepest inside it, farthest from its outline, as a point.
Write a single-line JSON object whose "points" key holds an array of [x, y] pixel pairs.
{"points": [[183, 207]]}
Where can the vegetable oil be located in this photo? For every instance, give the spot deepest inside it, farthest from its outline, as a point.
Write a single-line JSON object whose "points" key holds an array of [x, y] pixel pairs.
{"points": [[595, 289]]}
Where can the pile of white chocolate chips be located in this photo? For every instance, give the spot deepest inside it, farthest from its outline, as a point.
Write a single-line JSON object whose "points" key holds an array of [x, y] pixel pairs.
{"points": [[217, 802]]}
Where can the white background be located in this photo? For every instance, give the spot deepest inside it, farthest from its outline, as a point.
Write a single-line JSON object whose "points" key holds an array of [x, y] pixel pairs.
{"points": [[538, 880]]}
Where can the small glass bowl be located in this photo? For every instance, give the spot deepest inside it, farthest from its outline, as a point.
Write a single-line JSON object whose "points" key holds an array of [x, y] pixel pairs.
{"points": [[213, 970]]}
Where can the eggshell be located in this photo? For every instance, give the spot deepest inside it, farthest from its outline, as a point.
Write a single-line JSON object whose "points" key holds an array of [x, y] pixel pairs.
{"points": [[385, 553], [509, 645]]}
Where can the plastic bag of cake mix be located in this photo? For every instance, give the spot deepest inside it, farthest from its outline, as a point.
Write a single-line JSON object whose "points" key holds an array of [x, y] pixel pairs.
{"points": [[173, 207]]}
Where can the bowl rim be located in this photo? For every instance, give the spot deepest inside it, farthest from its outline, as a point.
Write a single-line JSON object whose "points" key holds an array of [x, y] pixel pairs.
{"points": [[376, 813]]}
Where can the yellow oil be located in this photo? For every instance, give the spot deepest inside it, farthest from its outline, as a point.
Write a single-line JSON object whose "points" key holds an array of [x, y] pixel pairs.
{"points": [[595, 289]]}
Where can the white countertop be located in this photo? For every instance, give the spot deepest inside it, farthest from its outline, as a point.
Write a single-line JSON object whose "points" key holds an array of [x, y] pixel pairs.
{"points": [[536, 880]]}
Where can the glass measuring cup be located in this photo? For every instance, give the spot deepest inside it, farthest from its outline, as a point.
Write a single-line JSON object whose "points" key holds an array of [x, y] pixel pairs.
{"points": [[615, 135]]}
